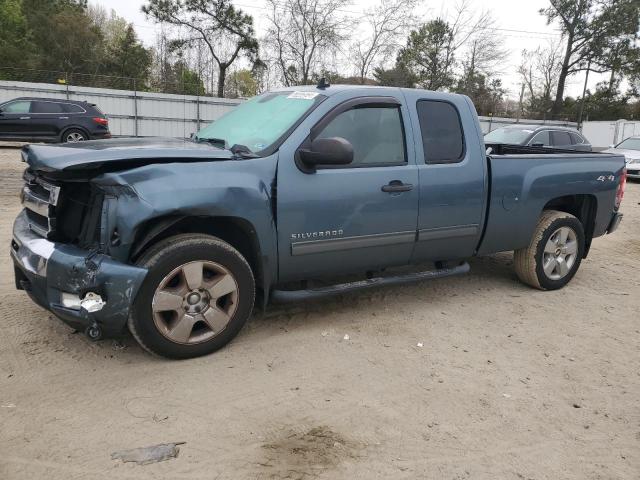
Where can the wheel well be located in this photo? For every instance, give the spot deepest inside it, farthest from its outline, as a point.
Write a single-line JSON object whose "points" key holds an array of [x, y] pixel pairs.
{"points": [[237, 232], [583, 207]]}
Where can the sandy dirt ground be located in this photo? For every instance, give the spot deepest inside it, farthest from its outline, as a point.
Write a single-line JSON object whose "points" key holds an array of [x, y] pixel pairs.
{"points": [[509, 383]]}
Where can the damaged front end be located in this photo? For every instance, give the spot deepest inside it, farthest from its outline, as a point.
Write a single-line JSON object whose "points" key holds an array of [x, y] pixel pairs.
{"points": [[58, 251]]}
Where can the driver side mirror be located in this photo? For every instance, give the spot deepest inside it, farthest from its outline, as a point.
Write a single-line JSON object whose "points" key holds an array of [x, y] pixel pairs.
{"points": [[328, 151]]}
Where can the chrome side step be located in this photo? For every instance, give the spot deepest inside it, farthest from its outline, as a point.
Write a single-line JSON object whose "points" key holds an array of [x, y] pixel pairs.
{"points": [[286, 296]]}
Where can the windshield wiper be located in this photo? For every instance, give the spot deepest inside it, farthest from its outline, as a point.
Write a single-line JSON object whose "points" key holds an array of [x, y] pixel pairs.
{"points": [[239, 151], [242, 151], [218, 142]]}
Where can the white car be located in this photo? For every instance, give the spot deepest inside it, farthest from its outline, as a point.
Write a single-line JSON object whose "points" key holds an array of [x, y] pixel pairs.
{"points": [[630, 148]]}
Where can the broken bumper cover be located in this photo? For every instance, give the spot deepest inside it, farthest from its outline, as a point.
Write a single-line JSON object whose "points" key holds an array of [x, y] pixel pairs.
{"points": [[51, 271]]}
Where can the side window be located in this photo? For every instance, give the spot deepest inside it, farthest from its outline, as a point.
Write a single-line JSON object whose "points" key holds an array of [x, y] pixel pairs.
{"points": [[560, 139], [576, 139], [541, 138], [17, 107], [46, 107], [375, 132], [442, 137], [72, 108]]}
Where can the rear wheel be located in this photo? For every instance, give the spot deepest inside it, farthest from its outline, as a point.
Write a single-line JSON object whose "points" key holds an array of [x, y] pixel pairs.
{"points": [[554, 254], [74, 135], [198, 294]]}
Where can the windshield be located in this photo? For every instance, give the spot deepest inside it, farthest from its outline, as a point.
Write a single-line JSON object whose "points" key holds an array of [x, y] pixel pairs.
{"points": [[630, 144], [514, 136], [259, 122]]}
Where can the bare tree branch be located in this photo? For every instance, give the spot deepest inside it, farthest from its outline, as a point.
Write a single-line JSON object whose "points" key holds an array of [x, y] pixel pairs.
{"points": [[387, 21], [302, 33]]}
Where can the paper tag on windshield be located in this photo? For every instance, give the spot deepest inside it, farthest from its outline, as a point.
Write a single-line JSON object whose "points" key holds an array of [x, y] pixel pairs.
{"points": [[303, 95]]}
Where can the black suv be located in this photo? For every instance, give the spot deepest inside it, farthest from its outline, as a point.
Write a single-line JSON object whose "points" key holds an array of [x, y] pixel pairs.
{"points": [[29, 119]]}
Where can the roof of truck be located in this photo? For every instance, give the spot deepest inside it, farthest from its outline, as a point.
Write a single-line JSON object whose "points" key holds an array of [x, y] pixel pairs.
{"points": [[333, 89]]}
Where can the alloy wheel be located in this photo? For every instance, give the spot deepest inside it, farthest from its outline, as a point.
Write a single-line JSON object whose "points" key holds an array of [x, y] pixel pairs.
{"points": [[75, 137], [195, 302], [560, 253]]}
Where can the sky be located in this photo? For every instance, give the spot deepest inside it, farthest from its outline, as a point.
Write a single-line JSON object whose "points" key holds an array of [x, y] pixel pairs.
{"points": [[520, 23]]}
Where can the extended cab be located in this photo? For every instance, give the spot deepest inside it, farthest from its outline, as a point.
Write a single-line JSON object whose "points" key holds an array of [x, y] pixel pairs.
{"points": [[179, 239]]}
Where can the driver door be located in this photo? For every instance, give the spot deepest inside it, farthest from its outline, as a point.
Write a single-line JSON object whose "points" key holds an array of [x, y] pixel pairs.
{"points": [[350, 218]]}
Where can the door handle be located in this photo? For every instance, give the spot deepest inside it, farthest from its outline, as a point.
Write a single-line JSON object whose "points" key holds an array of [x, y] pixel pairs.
{"points": [[63, 118], [396, 186], [25, 118]]}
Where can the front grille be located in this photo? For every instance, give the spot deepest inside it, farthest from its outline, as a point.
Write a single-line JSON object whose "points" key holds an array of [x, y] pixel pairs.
{"points": [[40, 198], [67, 211]]}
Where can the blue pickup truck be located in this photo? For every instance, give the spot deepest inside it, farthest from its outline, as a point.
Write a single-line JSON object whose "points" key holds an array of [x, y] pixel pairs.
{"points": [[296, 193]]}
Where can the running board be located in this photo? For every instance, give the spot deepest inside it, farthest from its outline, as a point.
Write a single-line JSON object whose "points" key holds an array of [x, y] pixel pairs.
{"points": [[286, 296]]}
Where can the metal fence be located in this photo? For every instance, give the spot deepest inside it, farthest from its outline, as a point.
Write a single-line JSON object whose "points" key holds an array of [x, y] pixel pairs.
{"points": [[491, 123], [130, 112], [605, 133], [143, 114]]}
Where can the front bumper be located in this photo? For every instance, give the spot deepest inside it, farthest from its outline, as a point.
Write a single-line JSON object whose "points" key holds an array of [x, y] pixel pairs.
{"points": [[47, 269]]}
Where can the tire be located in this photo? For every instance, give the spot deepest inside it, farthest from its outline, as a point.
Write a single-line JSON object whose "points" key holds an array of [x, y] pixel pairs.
{"points": [[74, 135], [179, 313], [530, 262]]}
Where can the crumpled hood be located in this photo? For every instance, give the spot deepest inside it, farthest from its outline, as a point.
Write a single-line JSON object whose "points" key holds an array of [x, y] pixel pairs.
{"points": [[629, 154], [118, 152]]}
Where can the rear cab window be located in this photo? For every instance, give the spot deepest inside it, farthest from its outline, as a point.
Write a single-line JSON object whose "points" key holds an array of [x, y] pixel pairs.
{"points": [[441, 130]]}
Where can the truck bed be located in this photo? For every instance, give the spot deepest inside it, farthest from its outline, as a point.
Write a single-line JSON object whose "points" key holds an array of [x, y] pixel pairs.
{"points": [[511, 149], [526, 180]]}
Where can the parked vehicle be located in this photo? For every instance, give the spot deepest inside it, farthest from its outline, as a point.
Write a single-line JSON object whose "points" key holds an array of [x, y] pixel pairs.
{"points": [[630, 148], [177, 239], [30, 119], [539, 136]]}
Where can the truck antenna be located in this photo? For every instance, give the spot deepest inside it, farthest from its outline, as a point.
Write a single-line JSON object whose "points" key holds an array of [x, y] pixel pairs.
{"points": [[322, 84]]}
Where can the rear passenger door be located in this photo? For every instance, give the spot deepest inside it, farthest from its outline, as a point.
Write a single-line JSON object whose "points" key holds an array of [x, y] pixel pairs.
{"points": [[47, 117], [452, 170]]}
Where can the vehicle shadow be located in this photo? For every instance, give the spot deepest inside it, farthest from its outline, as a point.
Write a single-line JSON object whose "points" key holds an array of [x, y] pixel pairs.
{"points": [[494, 272]]}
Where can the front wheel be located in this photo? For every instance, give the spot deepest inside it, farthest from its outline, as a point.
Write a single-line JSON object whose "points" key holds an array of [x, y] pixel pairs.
{"points": [[554, 254], [197, 295]]}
